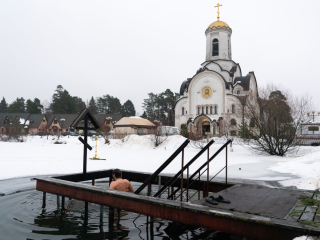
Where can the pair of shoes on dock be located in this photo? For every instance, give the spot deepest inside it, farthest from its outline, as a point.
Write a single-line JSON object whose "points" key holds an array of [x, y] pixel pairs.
{"points": [[215, 200]]}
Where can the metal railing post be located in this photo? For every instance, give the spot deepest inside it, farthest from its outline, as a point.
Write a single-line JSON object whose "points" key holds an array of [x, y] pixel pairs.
{"points": [[226, 164], [182, 175], [199, 187], [187, 184], [207, 193]]}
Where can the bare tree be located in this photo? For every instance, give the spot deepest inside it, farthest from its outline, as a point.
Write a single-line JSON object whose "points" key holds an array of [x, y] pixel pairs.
{"points": [[273, 121], [159, 134]]}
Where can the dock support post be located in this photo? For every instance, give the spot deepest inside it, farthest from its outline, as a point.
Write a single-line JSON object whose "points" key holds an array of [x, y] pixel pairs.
{"points": [[86, 208], [62, 205], [111, 219], [118, 217], [58, 202], [101, 215], [93, 182], [44, 200]]}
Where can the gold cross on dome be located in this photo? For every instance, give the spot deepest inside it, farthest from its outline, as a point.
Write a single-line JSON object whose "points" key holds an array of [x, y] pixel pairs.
{"points": [[218, 5]]}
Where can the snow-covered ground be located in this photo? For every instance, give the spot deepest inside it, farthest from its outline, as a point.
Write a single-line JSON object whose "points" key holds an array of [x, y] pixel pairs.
{"points": [[40, 156]]}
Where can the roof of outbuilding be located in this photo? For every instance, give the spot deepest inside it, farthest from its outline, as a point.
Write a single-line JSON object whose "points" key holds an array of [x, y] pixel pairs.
{"points": [[11, 116], [135, 121], [102, 117], [68, 119], [36, 120]]}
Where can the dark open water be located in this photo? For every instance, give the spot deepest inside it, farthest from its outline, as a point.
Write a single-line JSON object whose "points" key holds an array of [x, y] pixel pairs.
{"points": [[21, 217]]}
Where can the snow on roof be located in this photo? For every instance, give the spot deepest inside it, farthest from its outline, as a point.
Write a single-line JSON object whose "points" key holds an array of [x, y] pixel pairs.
{"points": [[134, 121], [22, 120], [135, 117]]}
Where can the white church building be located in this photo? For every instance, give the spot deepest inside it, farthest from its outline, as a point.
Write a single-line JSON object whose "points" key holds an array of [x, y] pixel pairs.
{"points": [[209, 100]]}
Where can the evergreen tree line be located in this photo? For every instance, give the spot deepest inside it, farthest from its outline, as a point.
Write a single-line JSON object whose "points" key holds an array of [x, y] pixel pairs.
{"points": [[64, 103], [158, 108]]}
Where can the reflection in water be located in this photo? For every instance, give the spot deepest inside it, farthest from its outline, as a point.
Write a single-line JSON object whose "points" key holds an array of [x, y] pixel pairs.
{"points": [[22, 217]]}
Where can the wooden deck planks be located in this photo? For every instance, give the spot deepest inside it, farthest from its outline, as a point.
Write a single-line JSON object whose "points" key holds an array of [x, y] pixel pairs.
{"points": [[258, 200]]}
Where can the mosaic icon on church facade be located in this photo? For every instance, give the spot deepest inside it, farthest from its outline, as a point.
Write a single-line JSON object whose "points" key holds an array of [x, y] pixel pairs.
{"points": [[206, 92]]}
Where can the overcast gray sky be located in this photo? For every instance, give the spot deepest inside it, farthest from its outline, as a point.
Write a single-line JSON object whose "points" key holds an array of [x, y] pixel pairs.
{"points": [[129, 48]]}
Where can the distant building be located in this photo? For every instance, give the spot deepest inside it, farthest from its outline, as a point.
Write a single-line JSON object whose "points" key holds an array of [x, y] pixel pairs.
{"points": [[310, 131], [132, 125], [49, 123], [10, 121]]}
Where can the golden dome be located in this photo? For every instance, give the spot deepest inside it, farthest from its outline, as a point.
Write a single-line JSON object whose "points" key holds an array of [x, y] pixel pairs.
{"points": [[218, 24]]}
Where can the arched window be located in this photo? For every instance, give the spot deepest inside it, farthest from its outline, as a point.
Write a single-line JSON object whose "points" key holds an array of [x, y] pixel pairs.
{"points": [[233, 122], [215, 47], [198, 110], [233, 109], [215, 110], [211, 110], [238, 92], [183, 111], [214, 129], [202, 110], [207, 111]]}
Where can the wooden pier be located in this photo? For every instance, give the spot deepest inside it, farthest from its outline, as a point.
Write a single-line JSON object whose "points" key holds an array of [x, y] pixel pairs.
{"points": [[255, 211]]}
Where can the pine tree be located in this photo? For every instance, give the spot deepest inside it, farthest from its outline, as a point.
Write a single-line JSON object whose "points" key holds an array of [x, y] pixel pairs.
{"points": [[34, 106], [144, 115], [92, 106], [109, 104], [63, 102], [17, 106], [3, 105], [79, 104], [128, 109]]}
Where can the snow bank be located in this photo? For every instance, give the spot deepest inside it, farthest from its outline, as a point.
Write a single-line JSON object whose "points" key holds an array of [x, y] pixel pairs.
{"points": [[136, 142], [40, 156], [306, 164], [172, 142], [306, 238]]}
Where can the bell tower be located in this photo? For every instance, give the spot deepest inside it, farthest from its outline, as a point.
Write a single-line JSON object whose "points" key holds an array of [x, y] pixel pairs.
{"points": [[218, 40]]}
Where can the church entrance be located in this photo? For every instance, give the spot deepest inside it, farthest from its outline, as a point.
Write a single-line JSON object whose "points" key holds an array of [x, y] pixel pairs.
{"points": [[205, 127]]}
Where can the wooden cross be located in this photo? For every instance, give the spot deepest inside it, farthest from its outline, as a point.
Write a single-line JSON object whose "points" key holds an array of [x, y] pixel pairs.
{"points": [[218, 5]]}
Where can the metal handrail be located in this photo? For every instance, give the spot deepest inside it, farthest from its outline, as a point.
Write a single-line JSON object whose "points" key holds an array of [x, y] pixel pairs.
{"points": [[198, 171], [163, 166], [175, 177]]}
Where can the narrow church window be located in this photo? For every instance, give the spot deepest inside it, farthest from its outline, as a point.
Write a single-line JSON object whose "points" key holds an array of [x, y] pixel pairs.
{"points": [[238, 92], [215, 110], [214, 129], [198, 110], [252, 122], [215, 47], [202, 110], [210, 109], [233, 122], [183, 111], [207, 112], [233, 109]]}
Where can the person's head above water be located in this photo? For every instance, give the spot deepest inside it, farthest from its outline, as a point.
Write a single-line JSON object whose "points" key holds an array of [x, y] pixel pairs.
{"points": [[117, 173]]}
